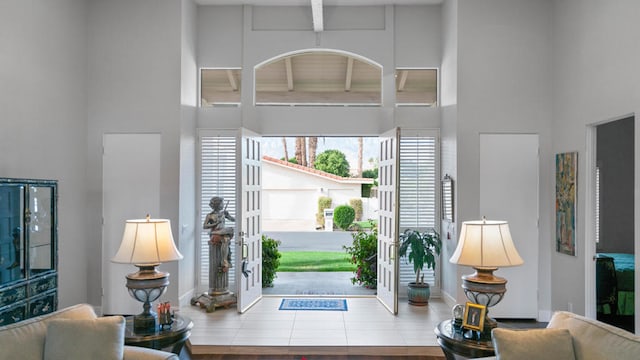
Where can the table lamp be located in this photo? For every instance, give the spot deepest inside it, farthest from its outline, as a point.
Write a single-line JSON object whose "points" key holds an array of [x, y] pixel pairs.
{"points": [[146, 243], [485, 245]]}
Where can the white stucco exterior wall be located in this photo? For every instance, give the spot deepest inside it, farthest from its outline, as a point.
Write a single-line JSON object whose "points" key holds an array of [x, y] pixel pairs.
{"points": [[290, 196]]}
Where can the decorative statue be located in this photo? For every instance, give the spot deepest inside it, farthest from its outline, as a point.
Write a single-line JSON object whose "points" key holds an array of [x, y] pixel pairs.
{"points": [[219, 258], [219, 235]]}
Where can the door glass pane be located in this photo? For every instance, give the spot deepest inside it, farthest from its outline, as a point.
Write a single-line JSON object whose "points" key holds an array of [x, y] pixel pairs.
{"points": [[11, 234], [39, 228]]}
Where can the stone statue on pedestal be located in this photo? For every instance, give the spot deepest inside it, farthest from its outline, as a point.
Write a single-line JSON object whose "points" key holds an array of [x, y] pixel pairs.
{"points": [[219, 258]]}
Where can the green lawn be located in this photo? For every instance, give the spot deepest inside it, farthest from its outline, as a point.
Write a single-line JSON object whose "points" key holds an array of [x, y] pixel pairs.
{"points": [[365, 225], [300, 261]]}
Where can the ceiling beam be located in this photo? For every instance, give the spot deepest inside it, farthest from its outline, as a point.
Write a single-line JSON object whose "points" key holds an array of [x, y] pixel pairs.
{"points": [[232, 80], [289, 69], [347, 82], [316, 12], [403, 79]]}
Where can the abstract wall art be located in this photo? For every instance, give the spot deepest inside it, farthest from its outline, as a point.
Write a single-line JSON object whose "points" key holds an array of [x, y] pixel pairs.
{"points": [[566, 189]]}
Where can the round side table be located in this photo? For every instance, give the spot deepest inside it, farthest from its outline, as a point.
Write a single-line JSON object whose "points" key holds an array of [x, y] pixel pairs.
{"points": [[168, 338], [455, 345]]}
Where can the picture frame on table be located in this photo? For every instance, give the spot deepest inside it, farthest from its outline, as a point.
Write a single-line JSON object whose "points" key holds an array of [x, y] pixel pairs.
{"points": [[473, 318]]}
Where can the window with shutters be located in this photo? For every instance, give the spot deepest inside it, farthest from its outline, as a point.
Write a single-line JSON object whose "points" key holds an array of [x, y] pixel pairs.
{"points": [[217, 178], [418, 192]]}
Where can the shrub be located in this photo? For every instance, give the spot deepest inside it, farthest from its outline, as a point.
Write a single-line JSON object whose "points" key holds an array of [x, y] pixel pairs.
{"points": [[356, 204], [343, 216], [324, 202], [270, 260], [364, 254]]}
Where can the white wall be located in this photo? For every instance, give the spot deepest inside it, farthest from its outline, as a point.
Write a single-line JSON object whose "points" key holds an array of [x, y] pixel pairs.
{"points": [[186, 236], [134, 56], [267, 34], [595, 78], [449, 143], [43, 111], [504, 72]]}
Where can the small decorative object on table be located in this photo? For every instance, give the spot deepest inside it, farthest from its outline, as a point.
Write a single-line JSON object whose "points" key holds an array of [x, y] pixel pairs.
{"points": [[165, 318], [457, 314]]}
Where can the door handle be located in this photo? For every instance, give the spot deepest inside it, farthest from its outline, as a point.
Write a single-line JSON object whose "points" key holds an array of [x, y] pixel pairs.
{"points": [[245, 250]]}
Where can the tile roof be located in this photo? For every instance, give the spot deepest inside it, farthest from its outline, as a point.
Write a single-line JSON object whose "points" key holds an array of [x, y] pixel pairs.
{"points": [[316, 171]]}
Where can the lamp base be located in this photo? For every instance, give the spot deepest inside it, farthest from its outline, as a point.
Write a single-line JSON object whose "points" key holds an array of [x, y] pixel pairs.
{"points": [[145, 323], [484, 288], [146, 286]]}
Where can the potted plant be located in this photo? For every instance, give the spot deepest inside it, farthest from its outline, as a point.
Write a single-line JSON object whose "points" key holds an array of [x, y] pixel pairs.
{"points": [[421, 249]]}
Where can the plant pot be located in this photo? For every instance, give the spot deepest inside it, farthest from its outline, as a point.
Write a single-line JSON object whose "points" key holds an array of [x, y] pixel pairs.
{"points": [[418, 294]]}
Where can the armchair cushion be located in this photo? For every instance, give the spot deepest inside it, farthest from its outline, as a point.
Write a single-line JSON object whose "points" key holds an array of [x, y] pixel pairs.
{"points": [[533, 344], [98, 339]]}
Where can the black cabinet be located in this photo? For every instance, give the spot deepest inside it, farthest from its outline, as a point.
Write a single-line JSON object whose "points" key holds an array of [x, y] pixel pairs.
{"points": [[28, 248]]}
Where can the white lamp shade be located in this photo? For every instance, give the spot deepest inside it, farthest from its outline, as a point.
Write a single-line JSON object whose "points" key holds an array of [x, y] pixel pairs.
{"points": [[146, 242], [486, 244]]}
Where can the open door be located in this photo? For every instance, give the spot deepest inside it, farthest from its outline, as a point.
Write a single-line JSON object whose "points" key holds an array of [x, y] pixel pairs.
{"points": [[388, 265], [249, 237]]}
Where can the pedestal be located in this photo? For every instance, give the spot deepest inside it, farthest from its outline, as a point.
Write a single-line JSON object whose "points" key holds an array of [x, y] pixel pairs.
{"points": [[218, 272], [211, 302], [218, 294]]}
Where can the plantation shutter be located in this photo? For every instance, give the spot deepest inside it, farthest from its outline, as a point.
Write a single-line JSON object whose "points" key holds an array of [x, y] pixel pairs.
{"points": [[217, 178], [418, 182]]}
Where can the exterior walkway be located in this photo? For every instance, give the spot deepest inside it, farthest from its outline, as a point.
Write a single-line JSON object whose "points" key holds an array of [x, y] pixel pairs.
{"points": [[316, 283]]}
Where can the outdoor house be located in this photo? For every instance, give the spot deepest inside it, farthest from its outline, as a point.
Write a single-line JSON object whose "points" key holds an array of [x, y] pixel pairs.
{"points": [[290, 194]]}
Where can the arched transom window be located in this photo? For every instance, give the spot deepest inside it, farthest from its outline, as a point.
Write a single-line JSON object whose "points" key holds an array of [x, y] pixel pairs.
{"points": [[318, 78]]}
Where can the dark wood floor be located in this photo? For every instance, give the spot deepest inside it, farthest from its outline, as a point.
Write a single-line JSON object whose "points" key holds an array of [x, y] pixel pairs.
{"points": [[317, 357], [320, 357], [314, 353]]}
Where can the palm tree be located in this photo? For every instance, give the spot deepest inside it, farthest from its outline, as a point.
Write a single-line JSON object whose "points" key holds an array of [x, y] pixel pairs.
{"points": [[299, 147], [303, 141], [313, 146], [360, 146], [284, 145]]}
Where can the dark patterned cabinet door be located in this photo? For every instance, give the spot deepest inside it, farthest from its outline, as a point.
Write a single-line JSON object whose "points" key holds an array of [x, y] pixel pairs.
{"points": [[28, 248]]}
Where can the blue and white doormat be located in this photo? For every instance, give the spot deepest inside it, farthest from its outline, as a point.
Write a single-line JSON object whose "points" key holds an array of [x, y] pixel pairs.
{"points": [[314, 304]]}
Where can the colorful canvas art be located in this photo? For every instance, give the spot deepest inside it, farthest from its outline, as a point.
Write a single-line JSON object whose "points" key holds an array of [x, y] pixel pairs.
{"points": [[566, 188]]}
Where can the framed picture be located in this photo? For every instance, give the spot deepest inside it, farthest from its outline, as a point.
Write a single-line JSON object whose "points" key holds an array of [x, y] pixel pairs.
{"points": [[566, 189], [474, 316]]}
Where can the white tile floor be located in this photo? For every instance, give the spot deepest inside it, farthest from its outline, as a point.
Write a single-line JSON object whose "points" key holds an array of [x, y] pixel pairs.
{"points": [[366, 323]]}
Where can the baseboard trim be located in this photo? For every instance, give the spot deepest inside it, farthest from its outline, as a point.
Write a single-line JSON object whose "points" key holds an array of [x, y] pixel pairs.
{"points": [[185, 299]]}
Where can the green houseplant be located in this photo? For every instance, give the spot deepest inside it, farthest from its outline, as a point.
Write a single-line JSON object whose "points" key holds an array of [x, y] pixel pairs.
{"points": [[421, 249], [364, 254]]}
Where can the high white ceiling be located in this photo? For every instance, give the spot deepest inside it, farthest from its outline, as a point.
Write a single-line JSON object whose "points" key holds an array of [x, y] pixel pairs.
{"points": [[325, 2]]}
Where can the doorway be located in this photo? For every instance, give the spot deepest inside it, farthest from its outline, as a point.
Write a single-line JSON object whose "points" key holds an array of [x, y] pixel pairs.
{"points": [[298, 220], [615, 223]]}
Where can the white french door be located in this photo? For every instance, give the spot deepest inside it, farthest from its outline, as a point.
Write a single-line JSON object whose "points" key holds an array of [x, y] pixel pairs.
{"points": [[388, 265], [248, 221]]}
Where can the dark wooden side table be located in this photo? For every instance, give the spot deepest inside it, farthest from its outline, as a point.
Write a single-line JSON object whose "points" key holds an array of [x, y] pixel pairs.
{"points": [[169, 338], [456, 346]]}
